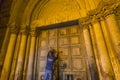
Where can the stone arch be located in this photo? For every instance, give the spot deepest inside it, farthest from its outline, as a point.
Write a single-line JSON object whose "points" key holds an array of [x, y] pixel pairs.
{"points": [[58, 11], [33, 10], [28, 11], [17, 12]]}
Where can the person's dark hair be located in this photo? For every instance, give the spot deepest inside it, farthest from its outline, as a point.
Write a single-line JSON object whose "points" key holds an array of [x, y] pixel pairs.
{"points": [[51, 52]]}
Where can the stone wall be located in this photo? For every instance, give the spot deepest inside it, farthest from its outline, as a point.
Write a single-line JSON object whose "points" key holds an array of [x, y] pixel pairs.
{"points": [[4, 18]]}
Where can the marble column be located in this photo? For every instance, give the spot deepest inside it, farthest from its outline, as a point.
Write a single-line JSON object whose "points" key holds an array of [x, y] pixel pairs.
{"points": [[111, 50], [105, 64], [9, 55], [114, 31], [26, 58], [35, 59], [5, 44], [15, 57], [95, 50], [90, 54], [21, 56], [30, 68]]}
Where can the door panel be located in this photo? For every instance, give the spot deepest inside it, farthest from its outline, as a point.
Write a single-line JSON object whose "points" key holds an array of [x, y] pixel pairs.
{"points": [[72, 59]]}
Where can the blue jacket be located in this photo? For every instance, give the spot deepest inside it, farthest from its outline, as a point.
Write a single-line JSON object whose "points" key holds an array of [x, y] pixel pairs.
{"points": [[50, 61]]}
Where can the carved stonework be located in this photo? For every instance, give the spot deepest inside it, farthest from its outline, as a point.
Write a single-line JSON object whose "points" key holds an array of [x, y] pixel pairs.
{"points": [[104, 9], [33, 32], [85, 20], [24, 30], [14, 30], [117, 13]]}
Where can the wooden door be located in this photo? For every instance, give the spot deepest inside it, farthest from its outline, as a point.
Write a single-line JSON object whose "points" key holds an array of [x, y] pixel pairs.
{"points": [[72, 59]]}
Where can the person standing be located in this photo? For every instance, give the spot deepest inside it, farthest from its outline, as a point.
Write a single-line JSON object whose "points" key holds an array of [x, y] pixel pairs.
{"points": [[51, 58]]}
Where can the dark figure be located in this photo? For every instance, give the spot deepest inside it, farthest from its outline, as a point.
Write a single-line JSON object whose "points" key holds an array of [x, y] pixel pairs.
{"points": [[49, 65]]}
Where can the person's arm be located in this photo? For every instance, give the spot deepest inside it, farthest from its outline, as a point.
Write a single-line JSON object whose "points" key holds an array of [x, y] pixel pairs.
{"points": [[57, 55]]}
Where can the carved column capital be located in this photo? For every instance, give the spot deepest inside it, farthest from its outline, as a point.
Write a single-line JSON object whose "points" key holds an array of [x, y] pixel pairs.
{"points": [[38, 31], [33, 32], [111, 9], [34, 23], [24, 29], [104, 9], [117, 13], [86, 27], [13, 28], [95, 19], [108, 12], [84, 21]]}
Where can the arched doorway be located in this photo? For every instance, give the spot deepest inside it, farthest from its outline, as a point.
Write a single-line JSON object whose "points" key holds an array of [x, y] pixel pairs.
{"points": [[67, 38]]}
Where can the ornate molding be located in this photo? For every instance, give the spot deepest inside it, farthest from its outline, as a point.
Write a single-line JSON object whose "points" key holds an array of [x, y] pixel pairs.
{"points": [[103, 10], [35, 23], [84, 21], [86, 26], [24, 29], [13, 28], [117, 14], [111, 9], [33, 32], [38, 31]]}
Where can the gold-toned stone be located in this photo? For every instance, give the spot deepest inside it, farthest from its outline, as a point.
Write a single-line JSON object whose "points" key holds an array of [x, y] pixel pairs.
{"points": [[92, 34], [15, 57], [114, 31], [111, 50], [106, 67], [104, 41], [8, 58], [20, 60], [26, 58], [33, 32], [90, 54], [31, 59]]}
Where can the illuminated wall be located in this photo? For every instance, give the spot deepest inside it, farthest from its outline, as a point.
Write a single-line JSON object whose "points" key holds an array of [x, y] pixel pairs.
{"points": [[99, 21]]}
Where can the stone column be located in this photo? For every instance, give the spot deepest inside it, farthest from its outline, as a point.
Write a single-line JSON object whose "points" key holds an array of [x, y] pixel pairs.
{"points": [[35, 59], [21, 56], [15, 57], [31, 56], [114, 31], [5, 44], [111, 50], [90, 54], [92, 34], [26, 58], [9, 54], [106, 67]]}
